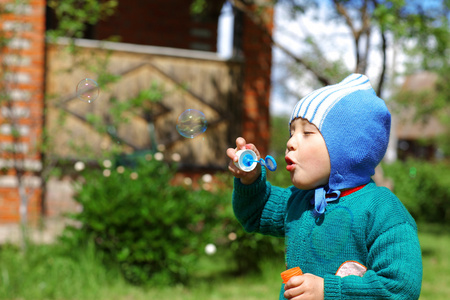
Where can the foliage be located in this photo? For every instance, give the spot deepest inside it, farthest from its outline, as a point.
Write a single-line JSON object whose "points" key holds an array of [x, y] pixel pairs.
{"points": [[279, 133], [156, 231], [54, 272], [423, 187], [245, 251], [74, 16], [418, 29], [152, 229], [198, 6], [279, 136], [435, 243], [249, 251]]}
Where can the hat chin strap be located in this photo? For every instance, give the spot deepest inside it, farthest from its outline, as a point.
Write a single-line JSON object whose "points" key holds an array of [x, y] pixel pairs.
{"points": [[322, 196]]}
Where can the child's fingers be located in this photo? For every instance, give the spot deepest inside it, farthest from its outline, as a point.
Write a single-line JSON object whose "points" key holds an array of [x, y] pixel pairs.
{"points": [[236, 171], [294, 282], [233, 169], [240, 143], [253, 147], [293, 287], [307, 285], [231, 153]]}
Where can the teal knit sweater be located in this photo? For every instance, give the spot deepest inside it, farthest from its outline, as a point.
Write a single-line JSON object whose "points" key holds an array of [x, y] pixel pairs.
{"points": [[370, 226]]}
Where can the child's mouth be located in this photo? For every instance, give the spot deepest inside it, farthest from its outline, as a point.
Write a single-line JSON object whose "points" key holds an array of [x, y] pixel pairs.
{"points": [[290, 164]]}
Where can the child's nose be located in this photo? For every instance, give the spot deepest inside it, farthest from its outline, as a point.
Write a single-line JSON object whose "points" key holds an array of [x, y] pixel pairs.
{"points": [[290, 145]]}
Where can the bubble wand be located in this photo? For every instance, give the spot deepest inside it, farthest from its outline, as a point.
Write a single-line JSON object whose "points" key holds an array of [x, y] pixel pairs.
{"points": [[247, 161]]}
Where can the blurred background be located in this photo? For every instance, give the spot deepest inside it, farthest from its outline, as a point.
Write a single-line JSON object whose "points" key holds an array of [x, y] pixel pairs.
{"points": [[103, 195]]}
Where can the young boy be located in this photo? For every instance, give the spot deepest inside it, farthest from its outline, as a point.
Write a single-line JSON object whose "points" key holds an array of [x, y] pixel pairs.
{"points": [[351, 238]]}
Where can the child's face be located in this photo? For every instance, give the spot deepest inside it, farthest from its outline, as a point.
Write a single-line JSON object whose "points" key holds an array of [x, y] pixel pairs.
{"points": [[307, 156]]}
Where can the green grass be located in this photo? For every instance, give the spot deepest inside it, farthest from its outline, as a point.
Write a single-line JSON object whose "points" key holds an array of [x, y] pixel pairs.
{"points": [[49, 272], [435, 244]]}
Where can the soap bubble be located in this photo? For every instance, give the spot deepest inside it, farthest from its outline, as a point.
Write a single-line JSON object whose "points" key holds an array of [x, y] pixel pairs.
{"points": [[88, 90], [191, 123]]}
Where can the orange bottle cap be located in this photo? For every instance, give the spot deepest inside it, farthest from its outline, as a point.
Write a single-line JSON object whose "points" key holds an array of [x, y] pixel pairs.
{"points": [[288, 274]]}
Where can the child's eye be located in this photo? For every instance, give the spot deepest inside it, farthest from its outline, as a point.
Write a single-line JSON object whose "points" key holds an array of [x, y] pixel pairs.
{"points": [[307, 132]]}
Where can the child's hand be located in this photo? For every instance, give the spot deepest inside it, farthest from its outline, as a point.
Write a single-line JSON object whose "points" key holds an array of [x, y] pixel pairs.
{"points": [[246, 177], [304, 287]]}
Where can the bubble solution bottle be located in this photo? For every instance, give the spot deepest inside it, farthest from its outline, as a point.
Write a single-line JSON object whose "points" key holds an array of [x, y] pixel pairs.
{"points": [[247, 161], [288, 274]]}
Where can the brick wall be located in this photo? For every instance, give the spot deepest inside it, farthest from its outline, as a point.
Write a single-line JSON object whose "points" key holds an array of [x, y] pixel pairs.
{"points": [[21, 117]]}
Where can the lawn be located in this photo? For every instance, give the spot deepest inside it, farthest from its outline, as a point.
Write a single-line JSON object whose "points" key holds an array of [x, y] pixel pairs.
{"points": [[44, 274], [435, 244]]}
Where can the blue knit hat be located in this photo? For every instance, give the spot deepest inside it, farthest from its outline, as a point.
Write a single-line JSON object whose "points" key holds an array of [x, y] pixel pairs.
{"points": [[355, 125]]}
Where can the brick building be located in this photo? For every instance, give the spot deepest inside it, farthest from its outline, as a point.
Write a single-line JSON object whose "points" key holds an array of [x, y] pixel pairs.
{"points": [[165, 23], [22, 107]]}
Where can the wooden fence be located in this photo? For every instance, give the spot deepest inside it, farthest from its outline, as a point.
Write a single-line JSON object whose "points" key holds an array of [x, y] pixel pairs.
{"points": [[190, 80]]}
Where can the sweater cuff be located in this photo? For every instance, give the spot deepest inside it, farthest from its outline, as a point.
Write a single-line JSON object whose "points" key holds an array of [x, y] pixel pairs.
{"points": [[251, 189], [332, 287]]}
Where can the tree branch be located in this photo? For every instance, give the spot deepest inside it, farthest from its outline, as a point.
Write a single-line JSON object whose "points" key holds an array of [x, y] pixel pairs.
{"points": [[381, 79], [383, 68], [343, 12], [365, 59], [361, 57], [356, 33]]}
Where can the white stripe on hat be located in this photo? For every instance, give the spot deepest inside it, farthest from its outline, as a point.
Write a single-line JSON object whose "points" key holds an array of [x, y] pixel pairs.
{"points": [[326, 96], [301, 106], [328, 103], [315, 106]]}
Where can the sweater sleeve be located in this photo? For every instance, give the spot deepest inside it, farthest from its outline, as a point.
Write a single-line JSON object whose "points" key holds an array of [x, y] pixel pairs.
{"points": [[394, 270], [260, 207]]}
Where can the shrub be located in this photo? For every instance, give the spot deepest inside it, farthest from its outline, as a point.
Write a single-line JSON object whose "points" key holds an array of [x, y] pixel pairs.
{"points": [[423, 187], [153, 230], [245, 251]]}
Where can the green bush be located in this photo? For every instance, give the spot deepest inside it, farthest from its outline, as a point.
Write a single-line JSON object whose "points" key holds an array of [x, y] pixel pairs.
{"points": [[246, 252], [156, 231], [152, 229], [423, 187]]}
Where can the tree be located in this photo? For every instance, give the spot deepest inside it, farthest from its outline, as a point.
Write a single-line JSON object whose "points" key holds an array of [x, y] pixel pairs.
{"points": [[418, 27]]}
